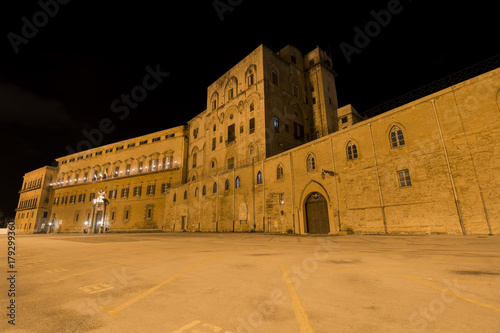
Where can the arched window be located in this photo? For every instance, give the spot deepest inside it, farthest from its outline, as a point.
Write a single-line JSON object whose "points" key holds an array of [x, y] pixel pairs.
{"points": [[185, 195], [204, 191], [252, 107], [396, 137], [352, 151], [237, 182], [175, 197], [196, 192], [215, 188], [226, 185], [215, 127], [311, 163], [279, 172], [259, 177]]}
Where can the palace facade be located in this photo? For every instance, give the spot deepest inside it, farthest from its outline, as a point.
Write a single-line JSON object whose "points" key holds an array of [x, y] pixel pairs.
{"points": [[273, 152]]}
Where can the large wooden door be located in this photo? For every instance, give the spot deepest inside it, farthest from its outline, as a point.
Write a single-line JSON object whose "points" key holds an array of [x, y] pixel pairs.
{"points": [[317, 214]]}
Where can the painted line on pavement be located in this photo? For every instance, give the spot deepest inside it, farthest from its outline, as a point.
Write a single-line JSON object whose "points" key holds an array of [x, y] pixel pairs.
{"points": [[300, 312], [116, 311], [470, 300]]}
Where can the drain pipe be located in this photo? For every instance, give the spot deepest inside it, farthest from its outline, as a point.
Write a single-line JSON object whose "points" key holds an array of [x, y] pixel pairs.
{"points": [[378, 180], [449, 168]]}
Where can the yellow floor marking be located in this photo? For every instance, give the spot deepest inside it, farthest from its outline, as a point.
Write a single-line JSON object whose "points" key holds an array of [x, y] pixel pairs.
{"points": [[96, 288], [188, 326], [116, 311], [91, 271], [470, 300], [56, 270], [300, 312]]}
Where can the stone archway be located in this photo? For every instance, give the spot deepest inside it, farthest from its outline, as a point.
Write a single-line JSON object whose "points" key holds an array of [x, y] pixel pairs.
{"points": [[316, 209]]}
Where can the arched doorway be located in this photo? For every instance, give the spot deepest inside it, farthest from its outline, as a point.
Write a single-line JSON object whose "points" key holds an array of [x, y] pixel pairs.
{"points": [[317, 214]]}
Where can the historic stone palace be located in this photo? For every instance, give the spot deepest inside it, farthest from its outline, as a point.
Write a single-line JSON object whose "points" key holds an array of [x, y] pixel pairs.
{"points": [[273, 152]]}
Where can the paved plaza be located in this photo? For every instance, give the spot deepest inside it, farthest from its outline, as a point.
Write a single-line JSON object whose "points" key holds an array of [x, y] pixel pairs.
{"points": [[232, 283]]}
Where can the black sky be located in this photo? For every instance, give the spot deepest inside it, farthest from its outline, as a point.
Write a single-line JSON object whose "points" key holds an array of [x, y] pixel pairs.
{"points": [[64, 79]]}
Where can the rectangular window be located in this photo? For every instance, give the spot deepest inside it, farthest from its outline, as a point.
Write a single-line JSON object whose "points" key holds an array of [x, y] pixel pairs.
{"points": [[91, 197], [109, 150], [295, 91], [140, 167], [127, 213], [165, 187], [214, 143], [276, 124], [250, 80], [313, 100], [195, 133], [282, 198], [137, 191], [127, 170], [230, 133], [170, 161], [64, 200], [81, 198], [404, 178], [56, 201], [298, 131], [143, 142], [151, 189], [156, 139], [113, 216], [125, 192], [79, 158], [343, 120], [112, 194], [119, 148], [130, 145], [214, 104], [274, 77], [98, 153], [241, 129], [72, 199], [230, 163], [194, 160], [117, 172], [88, 155], [252, 125], [230, 93]]}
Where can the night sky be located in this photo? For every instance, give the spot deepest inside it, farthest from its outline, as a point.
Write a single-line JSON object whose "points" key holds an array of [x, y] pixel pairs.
{"points": [[65, 76]]}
